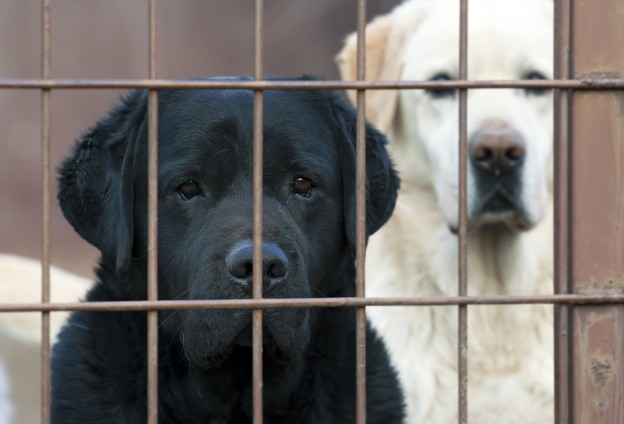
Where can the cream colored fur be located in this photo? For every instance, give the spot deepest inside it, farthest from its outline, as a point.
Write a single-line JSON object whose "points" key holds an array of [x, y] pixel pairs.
{"points": [[510, 348], [20, 333]]}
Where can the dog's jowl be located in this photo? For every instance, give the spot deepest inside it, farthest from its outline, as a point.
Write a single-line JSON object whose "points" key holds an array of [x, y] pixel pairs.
{"points": [[205, 251]]}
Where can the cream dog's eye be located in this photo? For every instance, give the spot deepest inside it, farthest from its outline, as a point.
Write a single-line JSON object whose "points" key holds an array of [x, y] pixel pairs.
{"points": [[439, 93], [535, 75]]}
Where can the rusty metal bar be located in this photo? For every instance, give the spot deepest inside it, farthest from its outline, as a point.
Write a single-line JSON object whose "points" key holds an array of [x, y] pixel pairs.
{"points": [[46, 53], [257, 261], [257, 216], [586, 82], [152, 226], [596, 213], [462, 316], [562, 327], [360, 222], [162, 305]]}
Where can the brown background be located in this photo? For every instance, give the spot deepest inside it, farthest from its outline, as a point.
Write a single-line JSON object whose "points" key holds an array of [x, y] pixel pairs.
{"points": [[108, 39]]}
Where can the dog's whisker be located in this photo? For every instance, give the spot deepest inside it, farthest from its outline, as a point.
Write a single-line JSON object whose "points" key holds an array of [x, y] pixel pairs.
{"points": [[217, 153], [318, 291]]}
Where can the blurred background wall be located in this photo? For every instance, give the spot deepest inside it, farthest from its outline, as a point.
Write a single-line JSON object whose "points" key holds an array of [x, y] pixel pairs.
{"points": [[108, 39]]}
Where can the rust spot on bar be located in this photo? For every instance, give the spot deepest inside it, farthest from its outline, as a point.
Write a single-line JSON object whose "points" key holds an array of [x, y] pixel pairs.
{"points": [[598, 364], [601, 370], [601, 79]]}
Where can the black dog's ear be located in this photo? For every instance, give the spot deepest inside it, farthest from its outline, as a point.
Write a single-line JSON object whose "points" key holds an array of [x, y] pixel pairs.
{"points": [[382, 182], [96, 182]]}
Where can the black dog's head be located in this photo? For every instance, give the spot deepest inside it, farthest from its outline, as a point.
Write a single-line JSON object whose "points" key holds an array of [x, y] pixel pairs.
{"points": [[205, 206]]}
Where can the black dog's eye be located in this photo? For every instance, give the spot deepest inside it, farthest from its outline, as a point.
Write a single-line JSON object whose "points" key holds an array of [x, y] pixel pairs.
{"points": [[535, 75], [301, 186], [189, 189], [440, 93]]}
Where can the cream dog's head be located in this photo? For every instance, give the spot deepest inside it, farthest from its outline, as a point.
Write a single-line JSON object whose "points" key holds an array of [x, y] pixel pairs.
{"points": [[509, 130]]}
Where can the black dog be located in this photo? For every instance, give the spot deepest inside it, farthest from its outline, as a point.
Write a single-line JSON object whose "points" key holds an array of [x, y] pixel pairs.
{"points": [[205, 252]]}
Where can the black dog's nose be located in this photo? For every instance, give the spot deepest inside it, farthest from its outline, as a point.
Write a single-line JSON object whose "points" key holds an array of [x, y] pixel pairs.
{"points": [[497, 150], [239, 263]]}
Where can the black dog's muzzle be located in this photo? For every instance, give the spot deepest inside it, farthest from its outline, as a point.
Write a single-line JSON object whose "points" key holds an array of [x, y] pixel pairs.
{"points": [[239, 265]]}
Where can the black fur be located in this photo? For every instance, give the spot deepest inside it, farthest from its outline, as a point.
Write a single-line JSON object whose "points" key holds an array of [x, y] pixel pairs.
{"points": [[99, 364]]}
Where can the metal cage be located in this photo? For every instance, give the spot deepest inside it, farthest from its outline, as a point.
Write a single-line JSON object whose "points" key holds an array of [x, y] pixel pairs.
{"points": [[589, 209]]}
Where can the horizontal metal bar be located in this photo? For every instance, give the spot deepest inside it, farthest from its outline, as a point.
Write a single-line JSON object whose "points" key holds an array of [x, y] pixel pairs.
{"points": [[162, 305], [581, 84]]}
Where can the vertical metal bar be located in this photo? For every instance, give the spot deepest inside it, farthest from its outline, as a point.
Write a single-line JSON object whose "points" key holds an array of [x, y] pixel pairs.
{"points": [[152, 223], [360, 210], [562, 325], [462, 345], [257, 218], [596, 214], [45, 182]]}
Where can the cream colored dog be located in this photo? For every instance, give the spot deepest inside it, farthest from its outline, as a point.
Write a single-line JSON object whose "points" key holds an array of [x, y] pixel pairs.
{"points": [[20, 333], [510, 348]]}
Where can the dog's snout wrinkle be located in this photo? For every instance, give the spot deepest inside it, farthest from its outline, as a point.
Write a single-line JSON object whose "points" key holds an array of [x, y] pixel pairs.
{"points": [[239, 263], [497, 150]]}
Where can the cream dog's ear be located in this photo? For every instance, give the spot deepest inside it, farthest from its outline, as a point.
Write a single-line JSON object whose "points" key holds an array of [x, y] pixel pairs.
{"points": [[385, 40]]}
